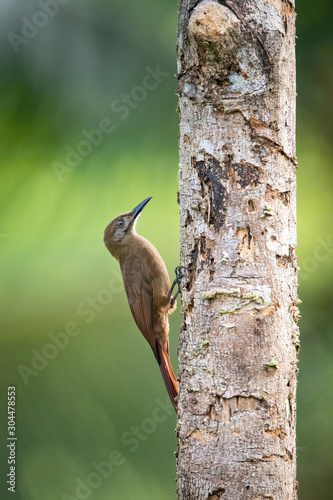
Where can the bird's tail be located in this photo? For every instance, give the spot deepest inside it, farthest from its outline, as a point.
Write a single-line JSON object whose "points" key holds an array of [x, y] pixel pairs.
{"points": [[169, 377]]}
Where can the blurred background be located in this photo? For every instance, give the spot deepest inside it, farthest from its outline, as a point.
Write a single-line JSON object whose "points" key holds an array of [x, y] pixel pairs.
{"points": [[88, 130]]}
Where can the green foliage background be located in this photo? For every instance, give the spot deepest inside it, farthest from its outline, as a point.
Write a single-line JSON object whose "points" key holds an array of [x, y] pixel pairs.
{"points": [[105, 383]]}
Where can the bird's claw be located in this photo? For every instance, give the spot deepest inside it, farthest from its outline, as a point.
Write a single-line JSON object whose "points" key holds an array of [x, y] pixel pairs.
{"points": [[176, 281], [179, 274]]}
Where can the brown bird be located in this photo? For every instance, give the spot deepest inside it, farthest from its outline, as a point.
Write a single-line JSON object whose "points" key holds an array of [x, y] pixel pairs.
{"points": [[147, 287]]}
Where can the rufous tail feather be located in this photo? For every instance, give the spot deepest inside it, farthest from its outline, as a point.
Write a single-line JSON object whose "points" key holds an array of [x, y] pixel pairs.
{"points": [[169, 377]]}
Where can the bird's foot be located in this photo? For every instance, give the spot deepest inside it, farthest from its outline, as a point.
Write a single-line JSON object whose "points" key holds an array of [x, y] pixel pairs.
{"points": [[176, 281]]}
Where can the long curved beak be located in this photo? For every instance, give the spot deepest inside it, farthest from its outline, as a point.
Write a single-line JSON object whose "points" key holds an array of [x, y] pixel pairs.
{"points": [[140, 207]]}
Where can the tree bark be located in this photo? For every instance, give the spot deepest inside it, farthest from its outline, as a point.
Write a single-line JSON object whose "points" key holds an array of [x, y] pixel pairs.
{"points": [[239, 339]]}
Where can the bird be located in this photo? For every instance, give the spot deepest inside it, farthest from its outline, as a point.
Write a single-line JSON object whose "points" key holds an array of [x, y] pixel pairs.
{"points": [[147, 286]]}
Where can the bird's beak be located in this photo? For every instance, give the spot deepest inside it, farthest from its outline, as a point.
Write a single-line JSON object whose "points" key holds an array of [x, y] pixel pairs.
{"points": [[139, 207]]}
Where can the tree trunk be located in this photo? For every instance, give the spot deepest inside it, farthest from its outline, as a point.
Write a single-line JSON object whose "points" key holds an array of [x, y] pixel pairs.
{"points": [[239, 339]]}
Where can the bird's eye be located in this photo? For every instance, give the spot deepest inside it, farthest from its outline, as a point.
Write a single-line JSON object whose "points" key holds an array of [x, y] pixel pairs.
{"points": [[120, 223]]}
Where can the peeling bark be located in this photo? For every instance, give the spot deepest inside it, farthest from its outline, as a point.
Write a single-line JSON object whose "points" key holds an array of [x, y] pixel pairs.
{"points": [[237, 193]]}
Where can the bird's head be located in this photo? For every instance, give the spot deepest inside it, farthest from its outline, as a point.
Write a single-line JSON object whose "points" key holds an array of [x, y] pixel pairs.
{"points": [[120, 229]]}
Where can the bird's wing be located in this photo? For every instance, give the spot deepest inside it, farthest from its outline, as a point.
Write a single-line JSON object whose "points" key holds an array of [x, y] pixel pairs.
{"points": [[140, 297]]}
